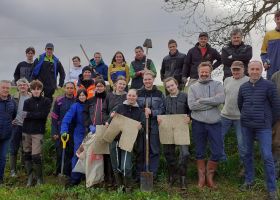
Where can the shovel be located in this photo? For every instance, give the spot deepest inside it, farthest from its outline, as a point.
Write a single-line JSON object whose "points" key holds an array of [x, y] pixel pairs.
{"points": [[146, 178], [147, 44], [62, 177]]}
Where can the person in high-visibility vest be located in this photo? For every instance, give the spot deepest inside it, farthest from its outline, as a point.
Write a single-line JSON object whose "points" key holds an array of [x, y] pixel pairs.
{"points": [[86, 82]]}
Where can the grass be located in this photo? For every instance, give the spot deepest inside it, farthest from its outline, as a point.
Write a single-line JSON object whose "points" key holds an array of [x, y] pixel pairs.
{"points": [[227, 179]]}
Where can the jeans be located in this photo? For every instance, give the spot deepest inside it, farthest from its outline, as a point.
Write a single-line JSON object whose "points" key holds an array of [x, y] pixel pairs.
{"points": [[212, 133], [226, 124], [264, 137], [4, 143]]}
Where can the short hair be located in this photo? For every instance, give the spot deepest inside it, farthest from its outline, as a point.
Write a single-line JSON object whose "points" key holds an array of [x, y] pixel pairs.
{"points": [[205, 64], [69, 82], [76, 57], [82, 90], [255, 62], [139, 47], [149, 72], [134, 90], [97, 53], [120, 78], [170, 79], [5, 81], [277, 13], [36, 84], [30, 49], [236, 31], [100, 80], [172, 41], [22, 80], [238, 63]]}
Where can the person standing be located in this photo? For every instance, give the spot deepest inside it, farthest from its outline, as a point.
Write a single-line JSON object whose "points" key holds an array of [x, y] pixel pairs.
{"points": [[86, 82], [24, 68], [230, 112], [172, 64], [118, 67], [236, 50], [137, 68], [276, 130], [16, 138], [36, 110], [8, 111], [75, 70], [204, 98], [259, 106], [75, 115], [61, 106], [46, 68], [201, 52], [270, 50], [111, 103], [176, 103], [151, 101], [99, 66]]}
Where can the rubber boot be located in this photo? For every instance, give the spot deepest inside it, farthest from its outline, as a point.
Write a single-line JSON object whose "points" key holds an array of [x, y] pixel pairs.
{"points": [[28, 168], [119, 179], [171, 175], [183, 182], [39, 173], [211, 168], [201, 170], [127, 184], [13, 163]]}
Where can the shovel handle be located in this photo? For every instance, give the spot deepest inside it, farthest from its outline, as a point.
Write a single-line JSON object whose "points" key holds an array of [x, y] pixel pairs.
{"points": [[147, 140], [64, 140]]}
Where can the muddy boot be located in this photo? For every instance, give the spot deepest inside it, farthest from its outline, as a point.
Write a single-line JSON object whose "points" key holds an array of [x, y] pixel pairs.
{"points": [[119, 179], [172, 175], [201, 170], [183, 183], [13, 163], [211, 168], [28, 168], [127, 184]]}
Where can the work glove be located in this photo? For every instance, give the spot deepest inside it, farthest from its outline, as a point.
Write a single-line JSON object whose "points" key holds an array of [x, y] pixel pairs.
{"points": [[64, 135], [92, 129]]}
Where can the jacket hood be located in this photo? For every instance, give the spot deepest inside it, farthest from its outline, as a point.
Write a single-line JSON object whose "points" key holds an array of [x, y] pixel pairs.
{"points": [[231, 45], [205, 81], [92, 61], [153, 89], [175, 54], [207, 45], [134, 105]]}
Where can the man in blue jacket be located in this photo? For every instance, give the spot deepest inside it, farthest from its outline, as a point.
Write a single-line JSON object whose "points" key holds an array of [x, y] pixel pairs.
{"points": [[259, 106], [99, 66], [8, 112]]}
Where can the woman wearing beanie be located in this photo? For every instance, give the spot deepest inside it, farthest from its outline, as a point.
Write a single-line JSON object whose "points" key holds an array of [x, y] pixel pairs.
{"points": [[86, 82]]}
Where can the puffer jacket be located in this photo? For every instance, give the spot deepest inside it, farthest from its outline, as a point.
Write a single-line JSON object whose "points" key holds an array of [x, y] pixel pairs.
{"points": [[259, 104], [8, 111], [177, 105]]}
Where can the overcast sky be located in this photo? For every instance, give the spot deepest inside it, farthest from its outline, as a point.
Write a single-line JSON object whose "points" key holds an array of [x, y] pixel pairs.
{"points": [[99, 25]]}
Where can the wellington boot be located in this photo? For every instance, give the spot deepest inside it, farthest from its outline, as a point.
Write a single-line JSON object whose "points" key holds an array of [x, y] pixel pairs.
{"points": [[28, 168], [211, 168], [201, 173]]}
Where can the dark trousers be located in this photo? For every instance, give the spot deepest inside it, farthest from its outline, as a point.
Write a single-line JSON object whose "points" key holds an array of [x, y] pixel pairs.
{"points": [[177, 166], [4, 143], [108, 171], [154, 153], [16, 140]]}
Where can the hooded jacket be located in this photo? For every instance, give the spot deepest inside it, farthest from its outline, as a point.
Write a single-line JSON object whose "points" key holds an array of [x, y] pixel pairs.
{"points": [[101, 69], [204, 99]]}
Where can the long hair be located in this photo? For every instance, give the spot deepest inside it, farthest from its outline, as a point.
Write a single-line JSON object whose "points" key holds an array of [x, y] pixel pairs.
{"points": [[114, 58]]}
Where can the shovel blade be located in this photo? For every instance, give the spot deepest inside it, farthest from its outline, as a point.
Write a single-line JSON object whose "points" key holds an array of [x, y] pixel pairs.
{"points": [[146, 181]]}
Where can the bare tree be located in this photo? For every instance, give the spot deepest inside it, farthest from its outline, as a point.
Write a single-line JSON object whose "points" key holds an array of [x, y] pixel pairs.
{"points": [[219, 17]]}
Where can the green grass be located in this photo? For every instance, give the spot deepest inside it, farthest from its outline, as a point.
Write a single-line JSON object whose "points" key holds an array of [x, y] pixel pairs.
{"points": [[226, 178]]}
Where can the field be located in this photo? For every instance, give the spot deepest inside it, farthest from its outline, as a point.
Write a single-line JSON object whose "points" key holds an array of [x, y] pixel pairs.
{"points": [[227, 179]]}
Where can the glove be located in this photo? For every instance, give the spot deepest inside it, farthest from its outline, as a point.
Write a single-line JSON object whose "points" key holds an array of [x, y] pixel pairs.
{"points": [[92, 129], [64, 135]]}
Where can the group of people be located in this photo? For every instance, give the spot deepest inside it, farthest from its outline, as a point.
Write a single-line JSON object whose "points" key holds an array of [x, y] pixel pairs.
{"points": [[251, 104]]}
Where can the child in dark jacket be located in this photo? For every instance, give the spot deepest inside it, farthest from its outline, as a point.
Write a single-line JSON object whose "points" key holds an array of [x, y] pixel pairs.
{"points": [[121, 159], [75, 115], [36, 111]]}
